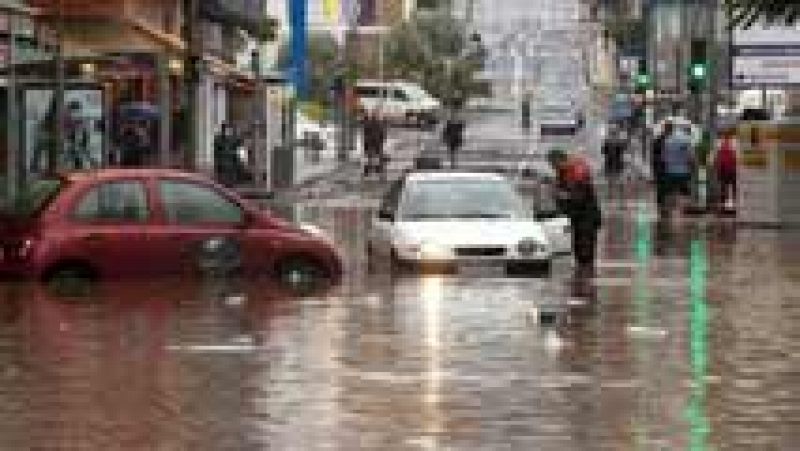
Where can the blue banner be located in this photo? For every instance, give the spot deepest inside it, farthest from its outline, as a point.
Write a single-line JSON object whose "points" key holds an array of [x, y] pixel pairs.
{"points": [[298, 66]]}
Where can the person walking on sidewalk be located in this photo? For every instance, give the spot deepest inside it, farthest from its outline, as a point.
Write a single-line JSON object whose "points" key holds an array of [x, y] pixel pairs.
{"points": [[679, 164], [526, 112], [453, 137], [725, 163], [227, 165], [657, 167], [374, 140], [576, 197], [614, 148]]}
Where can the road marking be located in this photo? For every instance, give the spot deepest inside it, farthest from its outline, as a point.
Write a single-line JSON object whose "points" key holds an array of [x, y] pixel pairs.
{"points": [[615, 282], [215, 349]]}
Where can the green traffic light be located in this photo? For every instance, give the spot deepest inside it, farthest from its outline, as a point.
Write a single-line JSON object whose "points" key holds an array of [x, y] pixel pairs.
{"points": [[643, 80], [698, 71]]}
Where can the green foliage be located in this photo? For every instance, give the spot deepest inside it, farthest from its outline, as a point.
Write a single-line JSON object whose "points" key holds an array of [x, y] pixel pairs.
{"points": [[744, 13], [313, 110], [321, 57], [435, 51]]}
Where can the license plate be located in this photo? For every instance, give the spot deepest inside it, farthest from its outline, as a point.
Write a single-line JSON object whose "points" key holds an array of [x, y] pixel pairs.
{"points": [[485, 269]]}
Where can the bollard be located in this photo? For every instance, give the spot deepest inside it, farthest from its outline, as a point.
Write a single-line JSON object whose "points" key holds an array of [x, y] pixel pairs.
{"points": [[699, 203]]}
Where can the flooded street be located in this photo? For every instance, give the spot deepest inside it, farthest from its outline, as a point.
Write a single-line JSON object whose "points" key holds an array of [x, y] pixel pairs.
{"points": [[686, 340]]}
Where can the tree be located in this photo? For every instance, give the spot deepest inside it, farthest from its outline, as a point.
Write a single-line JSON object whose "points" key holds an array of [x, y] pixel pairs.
{"points": [[434, 50], [744, 13], [321, 56]]}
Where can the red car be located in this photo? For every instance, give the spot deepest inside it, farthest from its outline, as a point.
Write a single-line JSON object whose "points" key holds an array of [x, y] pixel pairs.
{"points": [[120, 222]]}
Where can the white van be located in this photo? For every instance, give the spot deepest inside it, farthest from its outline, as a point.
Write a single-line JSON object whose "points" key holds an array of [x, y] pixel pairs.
{"points": [[398, 102]]}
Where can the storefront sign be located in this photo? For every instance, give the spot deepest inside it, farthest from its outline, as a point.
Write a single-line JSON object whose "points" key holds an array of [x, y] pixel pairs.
{"points": [[766, 56], [777, 67]]}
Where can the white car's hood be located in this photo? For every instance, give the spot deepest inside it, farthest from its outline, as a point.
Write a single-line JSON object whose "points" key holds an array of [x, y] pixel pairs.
{"points": [[469, 233], [558, 120]]}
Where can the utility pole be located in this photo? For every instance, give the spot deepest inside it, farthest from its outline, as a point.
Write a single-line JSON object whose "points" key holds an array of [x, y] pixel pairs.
{"points": [[192, 71], [56, 149], [347, 129], [12, 116]]}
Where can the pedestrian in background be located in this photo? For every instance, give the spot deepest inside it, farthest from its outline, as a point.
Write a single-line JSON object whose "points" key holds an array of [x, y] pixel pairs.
{"points": [[576, 197], [374, 131], [453, 137], [725, 163], [526, 111], [227, 165], [614, 148], [657, 167], [679, 161]]}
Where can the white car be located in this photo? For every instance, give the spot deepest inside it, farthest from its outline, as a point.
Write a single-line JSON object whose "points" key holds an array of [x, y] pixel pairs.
{"points": [[399, 102], [558, 118], [455, 219]]}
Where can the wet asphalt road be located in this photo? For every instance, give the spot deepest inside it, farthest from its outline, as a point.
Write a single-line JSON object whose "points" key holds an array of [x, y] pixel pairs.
{"points": [[687, 339]]}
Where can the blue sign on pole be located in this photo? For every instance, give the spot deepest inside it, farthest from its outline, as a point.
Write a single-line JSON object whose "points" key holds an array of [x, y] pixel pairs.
{"points": [[298, 72]]}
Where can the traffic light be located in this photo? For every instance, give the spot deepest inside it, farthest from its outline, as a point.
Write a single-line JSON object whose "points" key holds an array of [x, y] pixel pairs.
{"points": [[643, 80], [698, 66]]}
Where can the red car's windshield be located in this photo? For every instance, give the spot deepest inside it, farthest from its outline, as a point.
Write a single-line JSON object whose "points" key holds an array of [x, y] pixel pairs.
{"points": [[33, 198]]}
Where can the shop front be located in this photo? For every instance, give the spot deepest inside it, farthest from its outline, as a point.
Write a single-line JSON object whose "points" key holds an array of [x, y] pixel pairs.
{"points": [[120, 109]]}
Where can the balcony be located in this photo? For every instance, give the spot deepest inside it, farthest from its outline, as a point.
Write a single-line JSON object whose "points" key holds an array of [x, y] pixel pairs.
{"points": [[248, 15], [85, 9]]}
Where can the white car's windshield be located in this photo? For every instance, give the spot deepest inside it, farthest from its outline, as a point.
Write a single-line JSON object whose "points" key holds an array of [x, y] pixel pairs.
{"points": [[461, 199], [563, 110], [416, 92]]}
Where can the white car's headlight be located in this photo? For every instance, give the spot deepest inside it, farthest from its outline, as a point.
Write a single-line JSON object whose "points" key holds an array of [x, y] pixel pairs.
{"points": [[433, 251], [424, 250]]}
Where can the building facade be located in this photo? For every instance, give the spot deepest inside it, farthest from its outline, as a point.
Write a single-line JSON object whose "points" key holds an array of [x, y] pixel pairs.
{"points": [[122, 65]]}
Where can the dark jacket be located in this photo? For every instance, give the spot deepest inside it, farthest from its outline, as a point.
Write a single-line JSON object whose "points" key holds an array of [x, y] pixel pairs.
{"points": [[453, 133], [374, 135], [577, 197], [614, 152], [658, 156]]}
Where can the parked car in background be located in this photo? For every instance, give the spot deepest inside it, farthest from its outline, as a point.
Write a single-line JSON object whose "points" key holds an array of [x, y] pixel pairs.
{"points": [[122, 222], [558, 118], [399, 102], [450, 219]]}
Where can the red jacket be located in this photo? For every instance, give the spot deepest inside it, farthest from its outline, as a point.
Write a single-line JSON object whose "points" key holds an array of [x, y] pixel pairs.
{"points": [[726, 157]]}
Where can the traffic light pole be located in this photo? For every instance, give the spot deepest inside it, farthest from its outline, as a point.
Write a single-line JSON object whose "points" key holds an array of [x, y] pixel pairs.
{"points": [[191, 74], [56, 149]]}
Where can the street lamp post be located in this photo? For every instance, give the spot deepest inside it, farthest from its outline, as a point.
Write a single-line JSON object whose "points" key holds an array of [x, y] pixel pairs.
{"points": [[56, 149], [191, 81]]}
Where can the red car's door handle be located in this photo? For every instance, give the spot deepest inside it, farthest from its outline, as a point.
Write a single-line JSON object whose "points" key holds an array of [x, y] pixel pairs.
{"points": [[93, 237]]}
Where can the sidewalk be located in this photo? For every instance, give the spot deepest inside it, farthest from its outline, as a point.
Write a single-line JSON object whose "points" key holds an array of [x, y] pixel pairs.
{"points": [[335, 175]]}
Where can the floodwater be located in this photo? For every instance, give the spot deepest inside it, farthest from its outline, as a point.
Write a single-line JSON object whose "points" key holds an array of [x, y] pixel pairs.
{"points": [[687, 339]]}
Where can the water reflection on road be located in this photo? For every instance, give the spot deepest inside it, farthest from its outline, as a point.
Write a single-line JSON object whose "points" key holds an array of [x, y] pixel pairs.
{"points": [[686, 342]]}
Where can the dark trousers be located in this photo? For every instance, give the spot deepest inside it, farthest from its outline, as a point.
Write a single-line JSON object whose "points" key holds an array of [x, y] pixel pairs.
{"points": [[584, 244], [375, 160], [727, 186], [661, 190], [453, 150]]}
